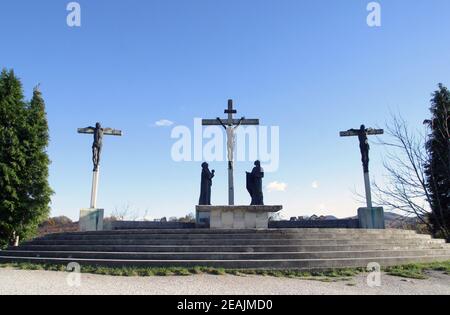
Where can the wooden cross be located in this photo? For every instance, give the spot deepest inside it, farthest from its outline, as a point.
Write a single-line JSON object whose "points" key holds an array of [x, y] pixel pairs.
{"points": [[230, 124], [362, 134], [98, 133], [230, 121]]}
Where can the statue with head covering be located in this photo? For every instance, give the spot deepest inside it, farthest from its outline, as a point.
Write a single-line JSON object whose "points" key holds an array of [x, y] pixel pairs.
{"points": [[254, 184], [205, 186]]}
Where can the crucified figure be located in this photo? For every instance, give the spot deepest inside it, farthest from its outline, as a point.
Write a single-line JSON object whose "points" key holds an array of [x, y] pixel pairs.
{"points": [[98, 133], [97, 145], [363, 145], [231, 137]]}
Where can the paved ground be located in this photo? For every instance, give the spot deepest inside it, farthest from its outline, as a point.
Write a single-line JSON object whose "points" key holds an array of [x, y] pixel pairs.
{"points": [[48, 282]]}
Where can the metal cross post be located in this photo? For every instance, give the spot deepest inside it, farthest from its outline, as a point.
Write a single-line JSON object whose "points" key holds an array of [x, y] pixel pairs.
{"points": [[230, 124]]}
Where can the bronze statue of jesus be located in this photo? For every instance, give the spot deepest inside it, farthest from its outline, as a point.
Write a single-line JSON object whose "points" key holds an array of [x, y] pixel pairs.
{"points": [[97, 146]]}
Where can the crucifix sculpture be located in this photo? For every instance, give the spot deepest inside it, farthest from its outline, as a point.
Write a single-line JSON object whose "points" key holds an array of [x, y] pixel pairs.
{"points": [[98, 133], [364, 147], [230, 124]]}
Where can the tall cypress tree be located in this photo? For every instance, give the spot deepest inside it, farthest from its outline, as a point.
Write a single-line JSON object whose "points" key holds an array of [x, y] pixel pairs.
{"points": [[24, 190], [36, 190], [12, 159], [438, 166]]}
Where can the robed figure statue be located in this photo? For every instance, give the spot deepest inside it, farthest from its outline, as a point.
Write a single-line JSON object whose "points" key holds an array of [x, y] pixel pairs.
{"points": [[254, 184], [205, 186]]}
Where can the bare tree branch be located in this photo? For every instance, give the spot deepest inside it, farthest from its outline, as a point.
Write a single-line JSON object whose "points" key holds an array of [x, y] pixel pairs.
{"points": [[405, 190]]}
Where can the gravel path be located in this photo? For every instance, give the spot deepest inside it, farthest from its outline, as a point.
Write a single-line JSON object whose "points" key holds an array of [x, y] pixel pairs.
{"points": [[49, 282]]}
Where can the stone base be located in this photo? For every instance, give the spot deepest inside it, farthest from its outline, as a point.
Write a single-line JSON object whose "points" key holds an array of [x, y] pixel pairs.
{"points": [[371, 218], [238, 217], [202, 219], [91, 220]]}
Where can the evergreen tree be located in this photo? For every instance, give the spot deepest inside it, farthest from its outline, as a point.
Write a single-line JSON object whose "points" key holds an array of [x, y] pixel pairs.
{"points": [[12, 159], [36, 190], [24, 190], [438, 166]]}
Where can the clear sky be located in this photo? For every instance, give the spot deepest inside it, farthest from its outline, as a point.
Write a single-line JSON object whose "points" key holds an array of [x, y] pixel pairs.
{"points": [[313, 68]]}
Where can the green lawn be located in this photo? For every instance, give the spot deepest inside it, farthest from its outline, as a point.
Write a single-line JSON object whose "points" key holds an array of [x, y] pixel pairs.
{"points": [[415, 271]]}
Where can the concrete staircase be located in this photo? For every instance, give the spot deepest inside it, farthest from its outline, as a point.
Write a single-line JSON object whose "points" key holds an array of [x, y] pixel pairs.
{"points": [[302, 249]]}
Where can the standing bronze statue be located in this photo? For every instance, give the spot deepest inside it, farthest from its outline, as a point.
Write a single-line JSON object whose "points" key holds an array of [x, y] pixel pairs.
{"points": [[254, 184], [205, 186]]}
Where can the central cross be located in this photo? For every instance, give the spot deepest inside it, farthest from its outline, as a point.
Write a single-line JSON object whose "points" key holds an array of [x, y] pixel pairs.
{"points": [[230, 124]]}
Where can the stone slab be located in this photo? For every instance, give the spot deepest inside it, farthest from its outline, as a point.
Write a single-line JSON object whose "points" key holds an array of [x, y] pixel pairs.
{"points": [[237, 217], [262, 220], [91, 220], [371, 218]]}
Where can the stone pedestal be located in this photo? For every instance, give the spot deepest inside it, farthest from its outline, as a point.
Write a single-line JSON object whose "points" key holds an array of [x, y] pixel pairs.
{"points": [[91, 220], [238, 217], [371, 218]]}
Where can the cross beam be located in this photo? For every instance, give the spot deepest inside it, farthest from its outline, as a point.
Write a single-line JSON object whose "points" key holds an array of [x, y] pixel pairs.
{"points": [[355, 133], [106, 131], [230, 121], [230, 124], [234, 122]]}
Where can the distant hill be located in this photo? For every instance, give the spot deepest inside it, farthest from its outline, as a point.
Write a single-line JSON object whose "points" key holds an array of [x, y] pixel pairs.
{"points": [[397, 221]]}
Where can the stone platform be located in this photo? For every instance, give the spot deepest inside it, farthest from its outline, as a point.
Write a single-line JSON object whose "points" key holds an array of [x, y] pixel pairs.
{"points": [[237, 217]]}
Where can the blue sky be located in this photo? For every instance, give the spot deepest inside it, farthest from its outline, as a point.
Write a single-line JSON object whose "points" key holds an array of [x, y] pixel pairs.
{"points": [[313, 68]]}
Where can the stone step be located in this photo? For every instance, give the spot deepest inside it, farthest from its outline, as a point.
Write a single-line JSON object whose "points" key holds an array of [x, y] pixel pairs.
{"points": [[230, 248], [254, 231], [298, 264], [251, 242], [328, 236], [226, 256], [267, 249]]}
